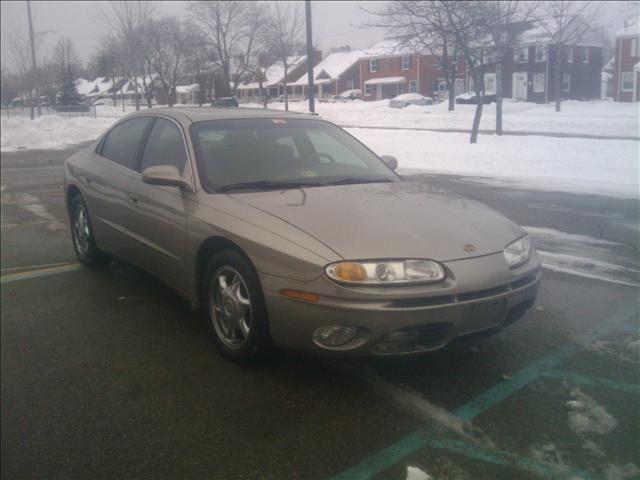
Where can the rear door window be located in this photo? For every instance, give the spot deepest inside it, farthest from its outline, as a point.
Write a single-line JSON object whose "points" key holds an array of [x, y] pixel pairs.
{"points": [[123, 142], [165, 146]]}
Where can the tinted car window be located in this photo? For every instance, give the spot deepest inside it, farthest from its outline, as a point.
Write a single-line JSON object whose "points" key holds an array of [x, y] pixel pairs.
{"points": [[122, 143], [254, 150], [165, 146]]}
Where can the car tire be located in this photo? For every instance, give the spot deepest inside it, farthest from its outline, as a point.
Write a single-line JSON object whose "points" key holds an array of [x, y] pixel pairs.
{"points": [[234, 308], [82, 236]]}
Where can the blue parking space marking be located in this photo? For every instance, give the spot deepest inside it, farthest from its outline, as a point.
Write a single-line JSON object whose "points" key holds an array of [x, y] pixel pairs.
{"points": [[15, 277], [580, 379], [411, 443]]}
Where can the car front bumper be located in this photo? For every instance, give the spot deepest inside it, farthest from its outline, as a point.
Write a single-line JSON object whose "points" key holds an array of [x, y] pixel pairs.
{"points": [[400, 321]]}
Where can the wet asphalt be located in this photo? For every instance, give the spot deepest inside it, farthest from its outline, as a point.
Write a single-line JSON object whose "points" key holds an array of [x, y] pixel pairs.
{"points": [[109, 374]]}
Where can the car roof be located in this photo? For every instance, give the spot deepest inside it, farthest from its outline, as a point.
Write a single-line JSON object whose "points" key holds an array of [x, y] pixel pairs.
{"points": [[201, 114]]}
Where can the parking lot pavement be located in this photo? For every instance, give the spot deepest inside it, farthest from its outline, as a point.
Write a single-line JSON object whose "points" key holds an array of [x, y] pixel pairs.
{"points": [[108, 374]]}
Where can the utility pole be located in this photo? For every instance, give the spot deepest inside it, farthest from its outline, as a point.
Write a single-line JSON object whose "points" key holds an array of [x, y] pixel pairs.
{"points": [[310, 63], [33, 60]]}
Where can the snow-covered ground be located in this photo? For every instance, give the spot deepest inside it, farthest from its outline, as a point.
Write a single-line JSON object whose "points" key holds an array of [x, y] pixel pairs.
{"points": [[607, 167], [598, 117], [49, 132]]}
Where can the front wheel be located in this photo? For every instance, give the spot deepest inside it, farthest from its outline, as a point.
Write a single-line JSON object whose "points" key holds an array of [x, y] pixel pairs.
{"points": [[82, 236], [235, 310]]}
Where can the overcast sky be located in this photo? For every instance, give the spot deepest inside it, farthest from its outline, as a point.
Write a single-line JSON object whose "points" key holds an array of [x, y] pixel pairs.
{"points": [[334, 23]]}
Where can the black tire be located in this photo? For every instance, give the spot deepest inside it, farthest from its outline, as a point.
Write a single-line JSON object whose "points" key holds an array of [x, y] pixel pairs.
{"points": [[257, 343], [87, 252]]}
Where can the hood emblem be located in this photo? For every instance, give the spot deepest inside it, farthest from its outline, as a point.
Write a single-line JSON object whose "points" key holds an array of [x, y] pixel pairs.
{"points": [[469, 247]]}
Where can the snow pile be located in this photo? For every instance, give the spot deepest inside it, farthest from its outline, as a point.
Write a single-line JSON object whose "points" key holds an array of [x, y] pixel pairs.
{"points": [[548, 454], [588, 416], [49, 132], [608, 167], [414, 473]]}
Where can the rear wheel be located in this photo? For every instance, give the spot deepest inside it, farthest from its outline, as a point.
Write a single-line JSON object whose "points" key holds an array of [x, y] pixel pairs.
{"points": [[234, 307], [84, 243]]}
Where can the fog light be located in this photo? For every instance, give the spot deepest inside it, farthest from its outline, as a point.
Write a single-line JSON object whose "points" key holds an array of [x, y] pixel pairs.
{"points": [[334, 335]]}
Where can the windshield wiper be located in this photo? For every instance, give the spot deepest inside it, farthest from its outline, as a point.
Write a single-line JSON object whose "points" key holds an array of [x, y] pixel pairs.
{"points": [[354, 180], [265, 184]]}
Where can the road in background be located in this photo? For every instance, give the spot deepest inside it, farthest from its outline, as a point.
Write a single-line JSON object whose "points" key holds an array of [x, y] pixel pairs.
{"points": [[108, 374]]}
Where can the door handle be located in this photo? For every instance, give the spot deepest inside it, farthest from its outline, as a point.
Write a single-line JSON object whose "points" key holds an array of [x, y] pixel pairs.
{"points": [[133, 199]]}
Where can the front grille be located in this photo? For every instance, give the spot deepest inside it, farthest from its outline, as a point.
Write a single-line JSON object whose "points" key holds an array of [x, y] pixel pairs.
{"points": [[462, 297], [420, 338]]}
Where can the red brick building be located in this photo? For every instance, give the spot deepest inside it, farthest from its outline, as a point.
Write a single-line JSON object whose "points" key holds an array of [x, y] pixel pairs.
{"points": [[387, 70], [626, 71]]}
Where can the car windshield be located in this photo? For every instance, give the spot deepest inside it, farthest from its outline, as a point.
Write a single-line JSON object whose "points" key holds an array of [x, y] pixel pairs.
{"points": [[280, 153]]}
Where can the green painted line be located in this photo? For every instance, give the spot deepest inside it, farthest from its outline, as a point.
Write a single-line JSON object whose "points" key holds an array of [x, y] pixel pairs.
{"points": [[411, 443], [581, 379], [16, 277]]}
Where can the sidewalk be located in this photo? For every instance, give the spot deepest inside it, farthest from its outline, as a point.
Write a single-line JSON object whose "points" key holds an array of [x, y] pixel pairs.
{"points": [[504, 132]]}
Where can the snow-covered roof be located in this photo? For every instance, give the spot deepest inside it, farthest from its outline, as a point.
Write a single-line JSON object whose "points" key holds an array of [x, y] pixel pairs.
{"points": [[540, 35], [274, 74], [102, 86], [187, 88], [385, 80], [631, 29], [333, 65], [387, 48], [84, 86]]}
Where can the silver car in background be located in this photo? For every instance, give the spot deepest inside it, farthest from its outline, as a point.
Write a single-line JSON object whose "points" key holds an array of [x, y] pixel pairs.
{"points": [[406, 99], [288, 231]]}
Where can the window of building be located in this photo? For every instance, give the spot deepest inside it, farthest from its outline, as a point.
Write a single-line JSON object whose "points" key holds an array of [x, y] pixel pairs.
{"points": [[521, 54], [634, 48], [406, 63], [583, 54], [541, 53], [373, 65], [123, 142], [368, 90], [566, 82], [568, 54], [413, 86], [489, 83], [348, 85], [538, 82], [627, 82], [165, 146]]}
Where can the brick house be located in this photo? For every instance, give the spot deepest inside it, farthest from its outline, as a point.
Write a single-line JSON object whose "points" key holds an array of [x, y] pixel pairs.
{"points": [[337, 72], [387, 70], [626, 67]]}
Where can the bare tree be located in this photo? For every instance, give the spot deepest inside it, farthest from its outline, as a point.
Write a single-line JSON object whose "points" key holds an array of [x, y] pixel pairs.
{"points": [[229, 26], [123, 21], [167, 54], [284, 38], [508, 19], [66, 63], [566, 23], [424, 27], [20, 54]]}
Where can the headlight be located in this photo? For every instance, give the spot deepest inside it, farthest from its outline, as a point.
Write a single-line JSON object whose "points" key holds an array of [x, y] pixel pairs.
{"points": [[386, 272], [518, 252]]}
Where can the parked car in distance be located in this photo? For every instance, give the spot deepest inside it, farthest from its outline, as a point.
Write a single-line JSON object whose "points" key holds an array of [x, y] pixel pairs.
{"points": [[100, 101], [347, 95], [225, 102], [287, 230], [407, 99], [469, 98]]}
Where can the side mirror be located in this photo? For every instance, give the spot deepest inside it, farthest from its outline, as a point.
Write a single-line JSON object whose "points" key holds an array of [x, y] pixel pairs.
{"points": [[166, 175], [391, 161]]}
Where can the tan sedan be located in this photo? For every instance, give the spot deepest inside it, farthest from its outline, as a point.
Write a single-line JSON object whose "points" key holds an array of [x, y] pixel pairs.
{"points": [[286, 230]]}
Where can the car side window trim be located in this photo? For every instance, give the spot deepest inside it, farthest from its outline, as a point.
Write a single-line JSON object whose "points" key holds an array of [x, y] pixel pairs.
{"points": [[143, 143]]}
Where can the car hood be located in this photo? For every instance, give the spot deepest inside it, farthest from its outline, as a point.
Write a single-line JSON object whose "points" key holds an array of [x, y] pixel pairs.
{"points": [[389, 220]]}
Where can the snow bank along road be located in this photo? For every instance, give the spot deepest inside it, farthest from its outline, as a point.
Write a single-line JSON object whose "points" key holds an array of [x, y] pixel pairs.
{"points": [[108, 373]]}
